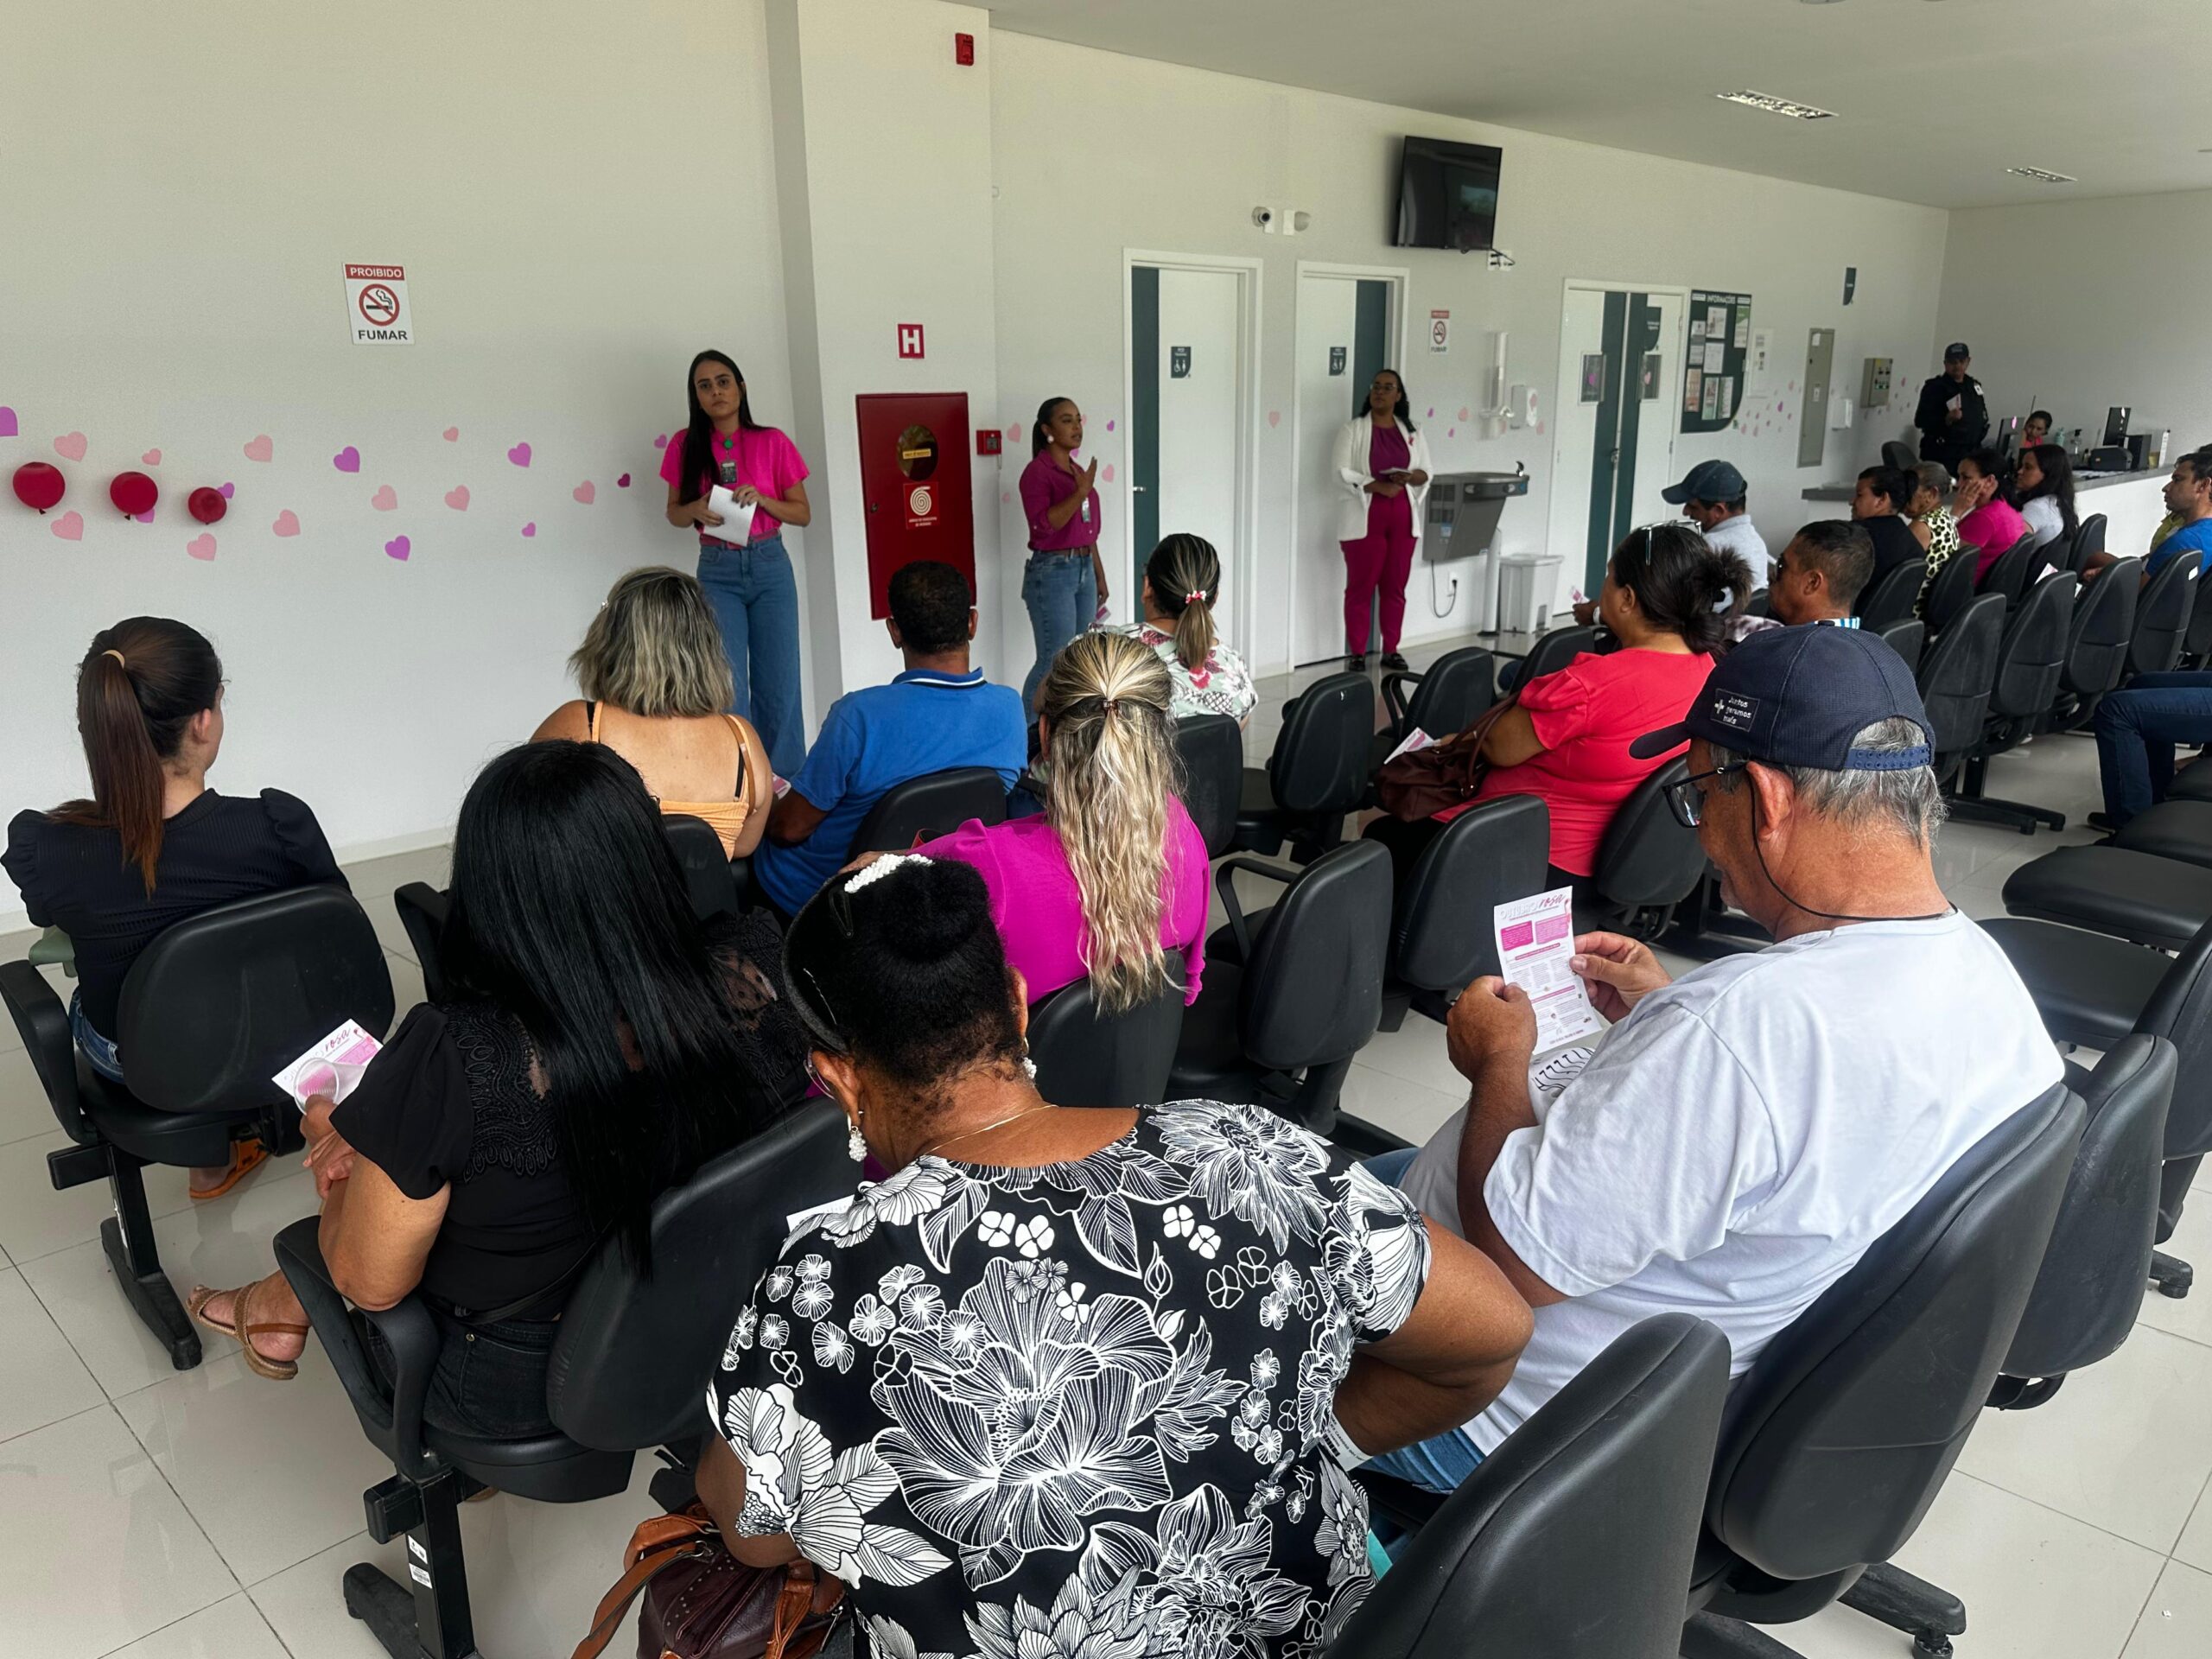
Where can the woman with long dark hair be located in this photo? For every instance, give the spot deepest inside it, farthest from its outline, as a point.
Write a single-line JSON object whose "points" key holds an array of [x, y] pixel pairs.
{"points": [[2044, 479], [598, 1045], [1382, 465], [1064, 585], [154, 844], [748, 575]]}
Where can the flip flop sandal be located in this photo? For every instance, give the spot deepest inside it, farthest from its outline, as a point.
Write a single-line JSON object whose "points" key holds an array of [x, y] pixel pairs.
{"points": [[246, 1156], [241, 1320]]}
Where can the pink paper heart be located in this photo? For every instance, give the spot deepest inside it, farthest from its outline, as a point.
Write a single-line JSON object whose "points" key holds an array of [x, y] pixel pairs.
{"points": [[1109, 473], [151, 458], [398, 548], [1109, 426], [201, 546], [70, 526], [260, 449], [1013, 432], [287, 523], [531, 529], [585, 493], [1006, 495], [1463, 414], [1274, 417], [1452, 432], [452, 434], [145, 518], [385, 499], [457, 498], [1540, 427], [623, 482], [347, 460], [661, 442], [519, 454], [1431, 415], [70, 445], [8, 427], [227, 490]]}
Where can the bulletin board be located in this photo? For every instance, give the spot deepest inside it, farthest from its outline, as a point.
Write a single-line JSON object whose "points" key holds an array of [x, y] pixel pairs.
{"points": [[1713, 373]]}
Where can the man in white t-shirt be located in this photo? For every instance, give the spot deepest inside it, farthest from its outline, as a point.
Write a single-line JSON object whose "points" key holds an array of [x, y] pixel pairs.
{"points": [[1743, 1134], [1713, 497]]}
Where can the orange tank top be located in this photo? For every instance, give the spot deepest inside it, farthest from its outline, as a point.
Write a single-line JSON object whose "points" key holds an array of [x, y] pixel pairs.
{"points": [[726, 818]]}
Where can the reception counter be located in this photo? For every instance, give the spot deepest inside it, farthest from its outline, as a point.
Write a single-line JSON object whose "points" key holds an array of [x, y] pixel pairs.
{"points": [[2132, 504]]}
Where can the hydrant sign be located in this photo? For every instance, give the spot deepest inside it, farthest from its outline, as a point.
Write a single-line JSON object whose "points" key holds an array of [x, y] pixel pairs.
{"points": [[376, 305]]}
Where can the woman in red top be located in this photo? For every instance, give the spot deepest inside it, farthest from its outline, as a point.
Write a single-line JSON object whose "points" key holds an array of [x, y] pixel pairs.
{"points": [[1668, 600]]}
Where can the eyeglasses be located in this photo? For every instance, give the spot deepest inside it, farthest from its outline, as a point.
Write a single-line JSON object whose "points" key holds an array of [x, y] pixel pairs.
{"points": [[1687, 801]]}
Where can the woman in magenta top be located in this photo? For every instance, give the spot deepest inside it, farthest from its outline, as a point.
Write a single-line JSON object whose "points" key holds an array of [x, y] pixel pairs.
{"points": [[1113, 873], [1064, 582], [1987, 520], [1383, 467], [747, 576], [1669, 599]]}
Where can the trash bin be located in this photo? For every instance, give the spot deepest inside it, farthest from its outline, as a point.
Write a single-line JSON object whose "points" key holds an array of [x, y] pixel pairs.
{"points": [[1527, 583]]}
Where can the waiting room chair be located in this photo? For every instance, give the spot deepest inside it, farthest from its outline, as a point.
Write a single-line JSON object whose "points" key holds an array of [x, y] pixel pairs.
{"points": [[1900, 455], [1495, 852], [1840, 1434], [2030, 658], [211, 1010], [2197, 644], [1447, 697], [2191, 783], [2097, 647], [1573, 1539], [2163, 614], [2140, 897], [2088, 542], [935, 804], [2008, 577], [1956, 678], [1951, 592], [1278, 1022], [1212, 751], [1087, 1057], [1906, 636], [1891, 597], [1317, 774], [1647, 863], [628, 1371], [1549, 655], [1760, 604]]}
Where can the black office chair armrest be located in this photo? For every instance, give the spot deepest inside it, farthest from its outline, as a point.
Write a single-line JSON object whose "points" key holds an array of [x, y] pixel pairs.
{"points": [[1394, 697], [394, 1419], [1404, 1504], [44, 1024], [1223, 884]]}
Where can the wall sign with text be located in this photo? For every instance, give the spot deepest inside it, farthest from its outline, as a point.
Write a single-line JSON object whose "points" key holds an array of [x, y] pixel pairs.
{"points": [[1713, 372]]}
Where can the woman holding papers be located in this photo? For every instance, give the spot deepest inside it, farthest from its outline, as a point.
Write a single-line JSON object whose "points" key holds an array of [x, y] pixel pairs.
{"points": [[739, 483], [1064, 584], [1382, 469]]}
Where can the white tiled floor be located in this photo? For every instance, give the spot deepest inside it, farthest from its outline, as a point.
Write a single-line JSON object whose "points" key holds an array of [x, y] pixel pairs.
{"points": [[151, 1514]]}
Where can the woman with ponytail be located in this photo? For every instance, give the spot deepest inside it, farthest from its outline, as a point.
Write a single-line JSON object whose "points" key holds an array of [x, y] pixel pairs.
{"points": [[1064, 584], [1182, 584], [1113, 873], [154, 844]]}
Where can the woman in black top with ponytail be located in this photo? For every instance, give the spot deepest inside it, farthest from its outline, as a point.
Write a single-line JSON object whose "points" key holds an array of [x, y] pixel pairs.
{"points": [[154, 844]]}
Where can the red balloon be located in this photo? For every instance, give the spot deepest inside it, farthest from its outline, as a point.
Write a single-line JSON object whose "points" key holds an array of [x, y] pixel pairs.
{"points": [[206, 505], [38, 485], [134, 493]]}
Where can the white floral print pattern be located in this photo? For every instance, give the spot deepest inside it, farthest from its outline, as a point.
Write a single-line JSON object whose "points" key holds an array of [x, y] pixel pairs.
{"points": [[1220, 685], [1077, 1412]]}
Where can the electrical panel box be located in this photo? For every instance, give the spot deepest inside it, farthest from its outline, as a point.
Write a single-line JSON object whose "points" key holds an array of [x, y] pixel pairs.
{"points": [[1874, 385]]}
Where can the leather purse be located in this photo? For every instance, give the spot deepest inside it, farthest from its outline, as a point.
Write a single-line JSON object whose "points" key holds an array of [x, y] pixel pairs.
{"points": [[702, 1602], [1420, 785]]}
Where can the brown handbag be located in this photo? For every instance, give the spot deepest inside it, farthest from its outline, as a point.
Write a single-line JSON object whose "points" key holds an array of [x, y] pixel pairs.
{"points": [[1420, 785], [702, 1602]]}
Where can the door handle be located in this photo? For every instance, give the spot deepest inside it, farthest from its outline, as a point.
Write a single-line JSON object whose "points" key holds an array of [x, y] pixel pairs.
{"points": [[1138, 488]]}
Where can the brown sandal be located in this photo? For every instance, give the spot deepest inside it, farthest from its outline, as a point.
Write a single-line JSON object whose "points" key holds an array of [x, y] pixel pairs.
{"points": [[246, 1156], [243, 1328]]}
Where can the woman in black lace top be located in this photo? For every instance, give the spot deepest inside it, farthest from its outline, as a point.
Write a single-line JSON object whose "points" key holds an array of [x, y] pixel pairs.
{"points": [[600, 1045]]}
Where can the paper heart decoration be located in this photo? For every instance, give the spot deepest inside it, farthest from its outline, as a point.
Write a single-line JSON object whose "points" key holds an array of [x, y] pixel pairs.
{"points": [[70, 445], [452, 434], [398, 548], [70, 526], [347, 460], [1109, 426], [457, 498], [585, 493], [151, 458], [229, 490], [385, 499], [1274, 417], [1430, 416], [1463, 414], [1452, 432], [623, 482], [8, 425], [1109, 473], [531, 529], [1013, 432], [519, 454], [260, 449], [201, 546], [1006, 495], [661, 442], [287, 523], [145, 518]]}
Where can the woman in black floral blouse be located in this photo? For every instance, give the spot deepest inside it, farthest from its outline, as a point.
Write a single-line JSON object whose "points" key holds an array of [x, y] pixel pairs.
{"points": [[1072, 1382]]}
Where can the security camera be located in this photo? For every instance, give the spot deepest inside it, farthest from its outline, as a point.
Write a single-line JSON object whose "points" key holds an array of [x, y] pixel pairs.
{"points": [[1265, 219]]}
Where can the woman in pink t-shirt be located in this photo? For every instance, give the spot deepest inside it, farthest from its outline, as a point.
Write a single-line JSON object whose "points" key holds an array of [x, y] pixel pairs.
{"points": [[1113, 875], [747, 576]]}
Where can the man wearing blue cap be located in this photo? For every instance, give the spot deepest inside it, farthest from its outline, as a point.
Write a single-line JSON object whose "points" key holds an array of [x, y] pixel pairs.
{"points": [[1712, 498], [1741, 1134]]}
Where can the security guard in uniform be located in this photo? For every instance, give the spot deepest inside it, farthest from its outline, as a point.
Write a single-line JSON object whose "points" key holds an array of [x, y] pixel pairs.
{"points": [[1953, 417]]}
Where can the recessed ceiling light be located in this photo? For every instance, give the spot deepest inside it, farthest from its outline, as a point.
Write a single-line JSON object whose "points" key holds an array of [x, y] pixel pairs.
{"points": [[1774, 105], [2042, 176]]}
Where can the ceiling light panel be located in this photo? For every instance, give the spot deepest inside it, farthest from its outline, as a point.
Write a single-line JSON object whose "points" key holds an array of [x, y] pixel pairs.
{"points": [[2041, 176], [1774, 105]]}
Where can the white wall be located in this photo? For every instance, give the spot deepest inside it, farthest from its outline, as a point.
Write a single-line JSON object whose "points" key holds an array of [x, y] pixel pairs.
{"points": [[2076, 305], [1095, 153]]}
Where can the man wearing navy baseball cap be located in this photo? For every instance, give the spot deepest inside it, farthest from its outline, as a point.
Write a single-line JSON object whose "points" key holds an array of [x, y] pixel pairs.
{"points": [[1741, 1134], [1713, 497]]}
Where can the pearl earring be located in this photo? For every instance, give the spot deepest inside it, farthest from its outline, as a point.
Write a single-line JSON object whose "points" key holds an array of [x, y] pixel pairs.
{"points": [[855, 1147]]}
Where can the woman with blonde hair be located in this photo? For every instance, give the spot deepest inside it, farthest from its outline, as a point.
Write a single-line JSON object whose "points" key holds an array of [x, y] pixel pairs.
{"points": [[1182, 584], [1113, 873], [655, 683]]}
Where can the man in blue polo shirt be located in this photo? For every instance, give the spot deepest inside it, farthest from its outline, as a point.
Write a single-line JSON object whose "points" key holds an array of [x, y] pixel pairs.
{"points": [[939, 714]]}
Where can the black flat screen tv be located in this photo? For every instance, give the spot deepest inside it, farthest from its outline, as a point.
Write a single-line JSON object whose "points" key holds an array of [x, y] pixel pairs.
{"points": [[1448, 195]]}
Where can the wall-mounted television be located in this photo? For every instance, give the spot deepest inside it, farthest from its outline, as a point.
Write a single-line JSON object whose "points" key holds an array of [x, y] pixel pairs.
{"points": [[1448, 195]]}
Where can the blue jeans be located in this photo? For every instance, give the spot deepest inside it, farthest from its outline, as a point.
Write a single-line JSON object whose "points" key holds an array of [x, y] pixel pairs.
{"points": [[97, 1050], [1439, 1464], [2137, 729], [489, 1379], [1061, 590], [756, 603]]}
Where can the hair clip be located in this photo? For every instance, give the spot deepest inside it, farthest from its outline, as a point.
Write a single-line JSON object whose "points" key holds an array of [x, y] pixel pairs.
{"points": [[1197, 594], [118, 656], [1109, 703], [878, 869]]}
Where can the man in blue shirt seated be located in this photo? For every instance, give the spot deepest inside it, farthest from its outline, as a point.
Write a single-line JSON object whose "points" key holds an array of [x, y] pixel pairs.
{"points": [[938, 714], [2187, 527]]}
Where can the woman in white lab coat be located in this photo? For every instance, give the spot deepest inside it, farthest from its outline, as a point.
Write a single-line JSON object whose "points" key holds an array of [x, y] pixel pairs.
{"points": [[1383, 465]]}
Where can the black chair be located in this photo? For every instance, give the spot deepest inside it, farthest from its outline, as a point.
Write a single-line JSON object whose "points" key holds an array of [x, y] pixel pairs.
{"points": [[1900, 455], [2177, 828], [1648, 862], [2163, 614], [1890, 598], [933, 804], [1906, 636], [2096, 649], [2097, 992], [1441, 933], [212, 1009], [1550, 654], [2008, 577], [2191, 783], [1086, 1058], [2088, 541], [1280, 1023], [1317, 774], [1956, 677], [1212, 751], [2197, 644], [1952, 591], [1573, 1539], [1841, 1433], [627, 1371], [422, 909], [1447, 697], [2030, 659], [1759, 603]]}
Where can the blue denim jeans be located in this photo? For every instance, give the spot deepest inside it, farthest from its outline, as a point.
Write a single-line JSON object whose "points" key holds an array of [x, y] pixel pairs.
{"points": [[756, 603], [2137, 729], [1061, 590], [96, 1049], [489, 1379]]}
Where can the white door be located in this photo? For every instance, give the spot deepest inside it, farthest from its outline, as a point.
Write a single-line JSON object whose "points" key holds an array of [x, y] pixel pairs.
{"points": [[1200, 376], [1574, 431], [1620, 370], [1328, 315], [1655, 449]]}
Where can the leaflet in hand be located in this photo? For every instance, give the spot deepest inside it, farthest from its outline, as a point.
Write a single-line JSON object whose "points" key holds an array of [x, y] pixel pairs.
{"points": [[736, 516], [1536, 941], [332, 1067], [1416, 740]]}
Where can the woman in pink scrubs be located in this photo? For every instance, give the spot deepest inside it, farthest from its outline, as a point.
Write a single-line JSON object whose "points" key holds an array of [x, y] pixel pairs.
{"points": [[1382, 465]]}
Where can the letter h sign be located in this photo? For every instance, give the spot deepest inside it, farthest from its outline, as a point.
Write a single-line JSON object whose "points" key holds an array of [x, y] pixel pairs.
{"points": [[910, 339]]}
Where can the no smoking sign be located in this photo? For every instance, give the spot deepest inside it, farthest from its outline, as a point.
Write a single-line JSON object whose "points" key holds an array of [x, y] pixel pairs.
{"points": [[376, 306]]}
